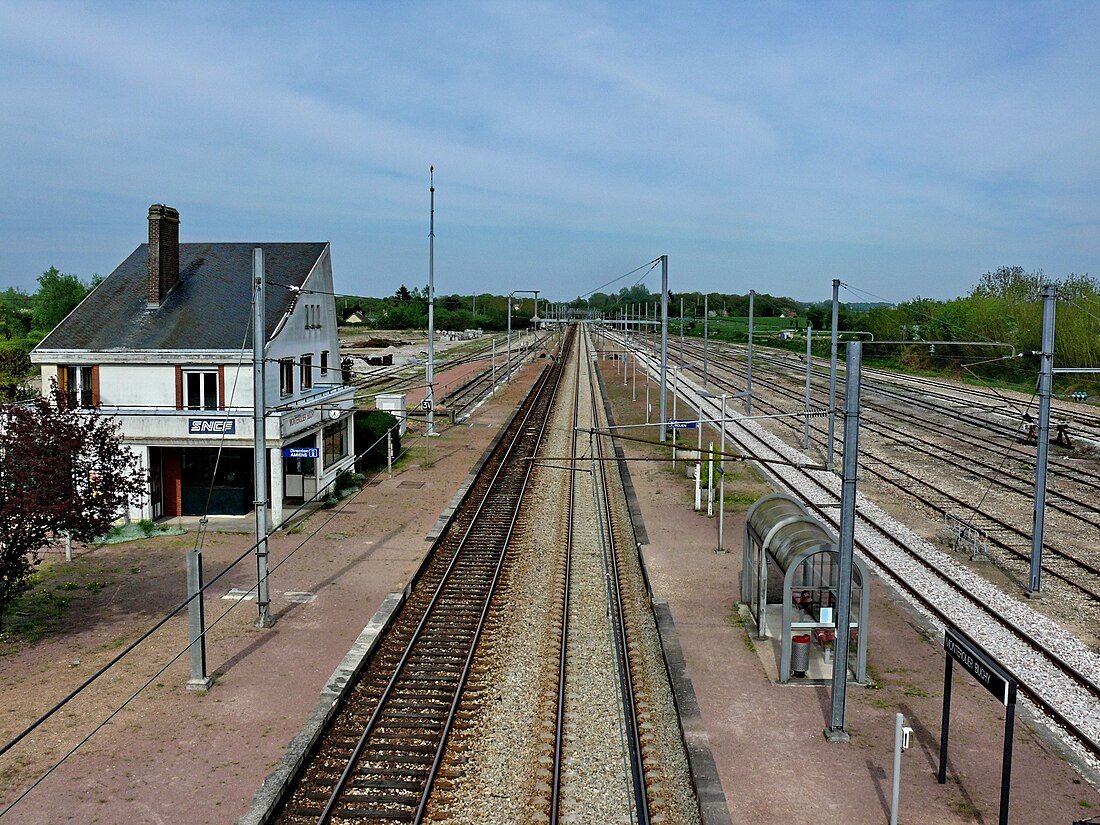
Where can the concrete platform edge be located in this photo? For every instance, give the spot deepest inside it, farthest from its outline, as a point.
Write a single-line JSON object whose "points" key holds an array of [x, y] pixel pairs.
{"points": [[713, 807], [275, 785]]}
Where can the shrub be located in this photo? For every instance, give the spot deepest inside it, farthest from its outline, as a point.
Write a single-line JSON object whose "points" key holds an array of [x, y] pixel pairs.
{"points": [[371, 427]]}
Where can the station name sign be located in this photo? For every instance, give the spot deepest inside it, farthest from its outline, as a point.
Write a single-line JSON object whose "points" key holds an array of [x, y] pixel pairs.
{"points": [[681, 424], [979, 664], [216, 426]]}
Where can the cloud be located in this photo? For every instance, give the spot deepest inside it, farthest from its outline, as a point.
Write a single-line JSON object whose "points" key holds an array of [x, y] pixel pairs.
{"points": [[763, 143]]}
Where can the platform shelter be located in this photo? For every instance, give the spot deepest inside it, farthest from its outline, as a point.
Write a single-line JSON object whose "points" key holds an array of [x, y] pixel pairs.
{"points": [[789, 583]]}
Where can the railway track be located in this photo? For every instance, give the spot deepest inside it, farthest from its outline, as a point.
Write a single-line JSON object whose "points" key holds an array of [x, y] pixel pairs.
{"points": [[594, 583], [1078, 570], [1055, 670], [377, 761]]}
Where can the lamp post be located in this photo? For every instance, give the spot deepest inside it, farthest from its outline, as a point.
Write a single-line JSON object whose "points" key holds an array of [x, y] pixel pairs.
{"points": [[511, 295]]}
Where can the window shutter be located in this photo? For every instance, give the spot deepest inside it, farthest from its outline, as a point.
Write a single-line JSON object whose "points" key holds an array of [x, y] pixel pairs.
{"points": [[62, 379], [221, 386], [95, 385], [179, 388]]}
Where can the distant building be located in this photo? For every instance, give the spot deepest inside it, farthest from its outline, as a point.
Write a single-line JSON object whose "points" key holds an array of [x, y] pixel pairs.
{"points": [[164, 343], [355, 315]]}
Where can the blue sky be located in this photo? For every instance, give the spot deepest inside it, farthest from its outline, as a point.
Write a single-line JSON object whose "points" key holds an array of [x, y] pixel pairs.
{"points": [[905, 148]]}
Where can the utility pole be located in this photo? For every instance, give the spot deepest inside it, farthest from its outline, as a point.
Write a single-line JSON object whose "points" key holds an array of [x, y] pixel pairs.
{"points": [[259, 444], [1046, 376], [664, 345], [832, 377], [429, 399]]}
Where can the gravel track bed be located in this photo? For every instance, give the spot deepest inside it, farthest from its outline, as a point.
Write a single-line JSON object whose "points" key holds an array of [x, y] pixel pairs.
{"points": [[1033, 670], [596, 777], [499, 762]]}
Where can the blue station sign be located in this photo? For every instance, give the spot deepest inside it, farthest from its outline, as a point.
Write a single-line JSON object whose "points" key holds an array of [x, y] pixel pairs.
{"points": [[211, 426], [301, 452], [682, 424]]}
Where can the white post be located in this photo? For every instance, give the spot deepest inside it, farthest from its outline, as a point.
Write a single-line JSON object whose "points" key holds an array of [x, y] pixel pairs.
{"points": [[722, 480], [389, 452], [710, 480], [899, 721], [699, 460], [634, 377], [675, 392]]}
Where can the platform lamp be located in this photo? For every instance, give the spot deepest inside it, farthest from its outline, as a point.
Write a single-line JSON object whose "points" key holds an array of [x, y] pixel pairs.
{"points": [[511, 295]]}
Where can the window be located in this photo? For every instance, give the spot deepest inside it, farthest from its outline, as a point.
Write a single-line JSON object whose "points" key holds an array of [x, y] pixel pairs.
{"points": [[200, 390], [324, 362], [78, 385], [306, 372], [286, 376], [335, 448], [312, 316]]}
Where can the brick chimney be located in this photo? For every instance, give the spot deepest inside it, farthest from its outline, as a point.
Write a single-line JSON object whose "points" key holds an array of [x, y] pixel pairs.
{"points": [[164, 252]]}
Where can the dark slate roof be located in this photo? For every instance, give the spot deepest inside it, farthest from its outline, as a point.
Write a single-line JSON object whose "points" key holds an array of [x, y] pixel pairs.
{"points": [[210, 307]]}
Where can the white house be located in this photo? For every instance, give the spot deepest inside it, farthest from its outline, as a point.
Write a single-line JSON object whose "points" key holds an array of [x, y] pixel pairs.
{"points": [[164, 343]]}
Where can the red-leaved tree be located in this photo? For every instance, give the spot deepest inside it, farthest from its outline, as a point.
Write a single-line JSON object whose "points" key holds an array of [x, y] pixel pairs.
{"points": [[61, 471]]}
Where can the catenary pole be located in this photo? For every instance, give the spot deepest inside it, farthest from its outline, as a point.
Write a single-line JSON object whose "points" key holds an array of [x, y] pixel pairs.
{"points": [[259, 444], [430, 397], [1042, 448], [809, 364], [832, 378], [664, 345], [748, 380], [835, 731], [706, 318]]}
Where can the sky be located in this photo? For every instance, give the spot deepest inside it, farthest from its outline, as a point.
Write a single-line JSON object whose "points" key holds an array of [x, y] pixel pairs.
{"points": [[902, 147]]}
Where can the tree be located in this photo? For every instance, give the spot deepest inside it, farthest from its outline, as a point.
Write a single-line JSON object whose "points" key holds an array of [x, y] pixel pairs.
{"points": [[15, 365], [61, 470], [57, 296]]}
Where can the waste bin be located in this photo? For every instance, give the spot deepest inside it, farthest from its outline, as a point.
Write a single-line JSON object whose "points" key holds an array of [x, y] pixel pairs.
{"points": [[800, 655]]}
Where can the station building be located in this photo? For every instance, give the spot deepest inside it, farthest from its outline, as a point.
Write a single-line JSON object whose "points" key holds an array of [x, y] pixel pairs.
{"points": [[164, 344]]}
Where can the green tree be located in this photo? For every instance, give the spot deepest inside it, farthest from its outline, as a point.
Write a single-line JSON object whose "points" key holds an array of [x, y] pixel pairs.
{"points": [[57, 296], [15, 366]]}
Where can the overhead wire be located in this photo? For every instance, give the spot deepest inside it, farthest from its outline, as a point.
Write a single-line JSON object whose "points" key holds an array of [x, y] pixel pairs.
{"points": [[174, 612]]}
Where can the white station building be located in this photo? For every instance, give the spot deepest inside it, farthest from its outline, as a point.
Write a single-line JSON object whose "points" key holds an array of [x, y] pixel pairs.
{"points": [[164, 343]]}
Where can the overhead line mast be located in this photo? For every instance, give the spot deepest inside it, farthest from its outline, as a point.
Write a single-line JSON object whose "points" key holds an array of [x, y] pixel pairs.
{"points": [[429, 399]]}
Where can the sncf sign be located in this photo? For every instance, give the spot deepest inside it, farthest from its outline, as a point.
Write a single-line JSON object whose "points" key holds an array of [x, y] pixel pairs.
{"points": [[206, 426]]}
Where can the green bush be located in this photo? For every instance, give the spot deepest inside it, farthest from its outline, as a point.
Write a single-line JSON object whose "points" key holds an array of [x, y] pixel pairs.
{"points": [[371, 427], [146, 526]]}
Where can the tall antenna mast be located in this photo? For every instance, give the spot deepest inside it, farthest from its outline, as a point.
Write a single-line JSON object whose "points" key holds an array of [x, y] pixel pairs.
{"points": [[429, 399]]}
